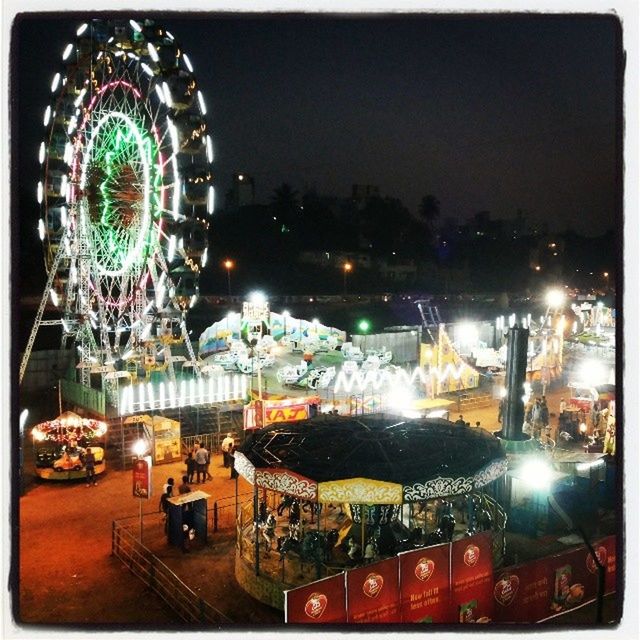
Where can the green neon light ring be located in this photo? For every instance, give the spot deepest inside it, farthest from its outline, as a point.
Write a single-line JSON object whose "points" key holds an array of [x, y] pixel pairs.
{"points": [[106, 146]]}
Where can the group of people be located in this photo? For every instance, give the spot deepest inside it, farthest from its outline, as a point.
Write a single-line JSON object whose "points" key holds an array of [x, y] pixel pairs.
{"points": [[536, 417], [198, 464], [460, 422]]}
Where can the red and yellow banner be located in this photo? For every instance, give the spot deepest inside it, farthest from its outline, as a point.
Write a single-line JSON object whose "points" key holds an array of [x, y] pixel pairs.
{"points": [[424, 585], [321, 602], [373, 592]]}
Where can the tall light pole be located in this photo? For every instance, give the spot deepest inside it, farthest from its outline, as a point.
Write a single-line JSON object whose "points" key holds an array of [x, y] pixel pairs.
{"points": [[228, 265], [347, 267]]}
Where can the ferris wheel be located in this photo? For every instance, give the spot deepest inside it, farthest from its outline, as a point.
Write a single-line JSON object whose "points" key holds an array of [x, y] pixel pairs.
{"points": [[125, 192]]}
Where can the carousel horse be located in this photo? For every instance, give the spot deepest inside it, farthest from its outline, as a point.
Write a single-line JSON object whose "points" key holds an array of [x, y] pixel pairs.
{"points": [[311, 507], [286, 503], [485, 519], [435, 537], [294, 513], [331, 539], [268, 531], [290, 542], [447, 521]]}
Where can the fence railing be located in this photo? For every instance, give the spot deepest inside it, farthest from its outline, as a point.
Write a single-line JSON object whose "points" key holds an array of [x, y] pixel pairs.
{"points": [[222, 514], [189, 606], [211, 441]]}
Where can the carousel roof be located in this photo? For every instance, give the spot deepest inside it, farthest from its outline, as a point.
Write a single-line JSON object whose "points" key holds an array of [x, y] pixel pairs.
{"points": [[393, 459]]}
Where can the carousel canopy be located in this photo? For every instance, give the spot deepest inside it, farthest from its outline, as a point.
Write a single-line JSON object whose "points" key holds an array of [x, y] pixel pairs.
{"points": [[374, 459]]}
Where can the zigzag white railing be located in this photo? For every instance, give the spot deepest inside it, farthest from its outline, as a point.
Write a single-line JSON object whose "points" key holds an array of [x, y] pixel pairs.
{"points": [[379, 378]]}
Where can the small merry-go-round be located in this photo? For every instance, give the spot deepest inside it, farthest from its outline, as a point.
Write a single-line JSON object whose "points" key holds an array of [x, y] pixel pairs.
{"points": [[336, 492]]}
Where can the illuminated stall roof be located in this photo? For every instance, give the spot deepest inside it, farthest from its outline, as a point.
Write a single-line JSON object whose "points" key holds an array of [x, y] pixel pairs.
{"points": [[374, 459]]}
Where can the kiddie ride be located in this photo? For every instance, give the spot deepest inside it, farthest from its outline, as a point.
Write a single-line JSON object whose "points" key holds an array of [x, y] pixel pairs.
{"points": [[306, 376], [238, 358], [61, 446]]}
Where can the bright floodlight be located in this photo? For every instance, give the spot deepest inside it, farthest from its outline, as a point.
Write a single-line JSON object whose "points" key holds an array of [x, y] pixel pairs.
{"points": [[24, 414], [555, 298], [285, 313], [400, 398], [139, 448], [468, 333], [592, 373], [257, 297], [364, 325], [536, 473]]}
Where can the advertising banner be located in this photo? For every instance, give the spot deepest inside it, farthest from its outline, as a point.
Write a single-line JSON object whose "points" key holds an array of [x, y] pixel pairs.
{"points": [[142, 478], [373, 593], [552, 586], [321, 602], [424, 585], [608, 558], [472, 579], [523, 593]]}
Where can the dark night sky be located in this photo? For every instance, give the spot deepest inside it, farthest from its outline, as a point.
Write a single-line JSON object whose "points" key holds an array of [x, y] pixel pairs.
{"points": [[498, 114]]}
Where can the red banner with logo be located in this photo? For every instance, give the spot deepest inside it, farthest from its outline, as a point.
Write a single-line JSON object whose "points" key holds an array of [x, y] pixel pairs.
{"points": [[424, 585], [321, 602], [609, 561], [285, 413], [523, 593], [552, 586], [373, 592], [472, 578], [142, 478]]}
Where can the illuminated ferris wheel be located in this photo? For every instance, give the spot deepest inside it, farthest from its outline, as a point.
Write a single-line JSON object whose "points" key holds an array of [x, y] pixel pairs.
{"points": [[125, 192]]}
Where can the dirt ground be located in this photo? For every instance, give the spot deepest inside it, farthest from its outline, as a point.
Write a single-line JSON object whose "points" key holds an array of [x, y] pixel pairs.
{"points": [[67, 575]]}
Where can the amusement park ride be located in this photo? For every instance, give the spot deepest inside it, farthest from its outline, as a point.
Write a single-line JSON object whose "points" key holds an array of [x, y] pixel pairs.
{"points": [[125, 197]]}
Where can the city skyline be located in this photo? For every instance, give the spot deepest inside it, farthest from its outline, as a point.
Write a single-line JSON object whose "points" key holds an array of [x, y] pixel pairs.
{"points": [[484, 112]]}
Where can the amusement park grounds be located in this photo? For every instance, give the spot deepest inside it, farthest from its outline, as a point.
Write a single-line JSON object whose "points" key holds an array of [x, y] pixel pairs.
{"points": [[68, 577]]}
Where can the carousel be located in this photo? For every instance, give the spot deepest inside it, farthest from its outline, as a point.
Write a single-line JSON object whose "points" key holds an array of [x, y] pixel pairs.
{"points": [[335, 492], [61, 444]]}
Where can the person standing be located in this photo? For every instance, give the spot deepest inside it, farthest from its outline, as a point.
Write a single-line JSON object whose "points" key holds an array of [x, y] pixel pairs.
{"points": [[184, 487], [168, 486], [544, 415], [191, 467], [206, 466], [232, 456], [226, 446], [460, 422], [563, 406], [202, 455], [90, 467]]}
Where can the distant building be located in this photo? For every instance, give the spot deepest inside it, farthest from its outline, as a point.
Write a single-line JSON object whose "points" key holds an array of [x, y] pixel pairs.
{"points": [[242, 192], [336, 259], [360, 193]]}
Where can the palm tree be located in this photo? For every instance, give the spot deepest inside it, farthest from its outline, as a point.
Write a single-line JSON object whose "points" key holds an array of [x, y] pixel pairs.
{"points": [[285, 203], [430, 210]]}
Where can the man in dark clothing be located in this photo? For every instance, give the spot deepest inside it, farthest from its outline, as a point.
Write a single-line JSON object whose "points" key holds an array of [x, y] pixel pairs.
{"points": [[90, 467], [184, 487], [191, 466], [460, 422]]}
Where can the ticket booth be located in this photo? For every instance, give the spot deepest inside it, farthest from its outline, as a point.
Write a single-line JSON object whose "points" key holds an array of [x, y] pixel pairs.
{"points": [[187, 509]]}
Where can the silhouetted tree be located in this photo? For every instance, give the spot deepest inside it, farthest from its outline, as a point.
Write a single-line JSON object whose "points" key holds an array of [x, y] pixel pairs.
{"points": [[284, 203], [430, 210]]}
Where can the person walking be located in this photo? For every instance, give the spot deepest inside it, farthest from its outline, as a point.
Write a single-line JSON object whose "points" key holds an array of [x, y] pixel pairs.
{"points": [[202, 455], [226, 446], [90, 467], [191, 467], [206, 466]]}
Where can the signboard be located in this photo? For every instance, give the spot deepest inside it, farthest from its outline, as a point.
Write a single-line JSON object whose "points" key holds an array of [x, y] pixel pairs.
{"points": [[373, 593], [290, 413], [166, 440], [424, 585], [321, 602], [472, 578], [142, 478]]}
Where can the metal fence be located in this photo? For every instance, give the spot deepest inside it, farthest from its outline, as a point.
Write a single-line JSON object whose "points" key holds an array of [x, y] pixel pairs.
{"points": [[189, 606], [223, 514]]}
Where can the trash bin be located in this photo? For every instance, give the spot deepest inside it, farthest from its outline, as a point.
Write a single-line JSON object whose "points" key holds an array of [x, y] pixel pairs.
{"points": [[188, 509]]}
